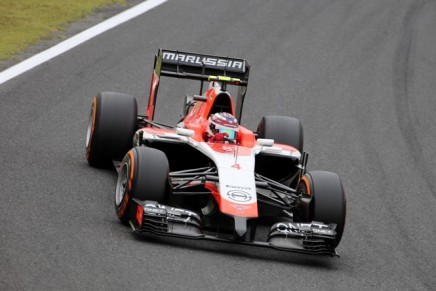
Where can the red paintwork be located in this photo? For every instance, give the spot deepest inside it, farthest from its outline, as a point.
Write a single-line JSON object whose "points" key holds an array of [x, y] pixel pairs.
{"points": [[139, 214], [231, 149], [153, 94]]}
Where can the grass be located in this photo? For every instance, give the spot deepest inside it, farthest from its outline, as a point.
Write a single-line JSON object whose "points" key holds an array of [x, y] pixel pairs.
{"points": [[25, 22]]}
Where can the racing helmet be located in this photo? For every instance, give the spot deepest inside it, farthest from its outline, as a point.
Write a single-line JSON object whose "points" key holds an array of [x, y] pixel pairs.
{"points": [[223, 122]]}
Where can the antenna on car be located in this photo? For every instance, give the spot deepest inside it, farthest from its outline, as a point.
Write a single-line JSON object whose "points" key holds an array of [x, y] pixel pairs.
{"points": [[236, 153]]}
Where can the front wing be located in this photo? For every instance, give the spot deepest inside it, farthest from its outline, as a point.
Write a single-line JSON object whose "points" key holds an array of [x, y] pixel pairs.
{"points": [[310, 238]]}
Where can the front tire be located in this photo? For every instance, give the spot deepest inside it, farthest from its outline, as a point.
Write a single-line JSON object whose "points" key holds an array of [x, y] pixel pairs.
{"points": [[282, 129], [112, 124], [328, 202], [144, 175]]}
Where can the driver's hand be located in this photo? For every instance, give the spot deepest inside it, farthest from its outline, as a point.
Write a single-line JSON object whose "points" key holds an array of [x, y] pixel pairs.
{"points": [[219, 137]]}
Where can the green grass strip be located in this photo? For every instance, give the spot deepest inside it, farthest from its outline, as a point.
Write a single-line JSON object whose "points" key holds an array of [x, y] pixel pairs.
{"points": [[25, 22]]}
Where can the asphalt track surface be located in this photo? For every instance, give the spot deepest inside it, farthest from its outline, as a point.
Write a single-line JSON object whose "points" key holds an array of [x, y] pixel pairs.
{"points": [[359, 74]]}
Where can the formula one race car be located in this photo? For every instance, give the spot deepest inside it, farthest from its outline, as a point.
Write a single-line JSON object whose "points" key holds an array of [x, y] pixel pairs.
{"points": [[207, 177]]}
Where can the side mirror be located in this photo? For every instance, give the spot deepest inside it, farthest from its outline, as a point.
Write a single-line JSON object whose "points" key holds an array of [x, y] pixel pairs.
{"points": [[200, 98], [185, 132], [189, 102], [266, 142]]}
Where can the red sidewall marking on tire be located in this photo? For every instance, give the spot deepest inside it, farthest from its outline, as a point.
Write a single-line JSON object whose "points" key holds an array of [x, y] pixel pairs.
{"points": [[129, 186], [88, 148]]}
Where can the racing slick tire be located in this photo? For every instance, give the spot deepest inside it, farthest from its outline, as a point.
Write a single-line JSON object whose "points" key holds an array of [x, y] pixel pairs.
{"points": [[328, 202], [143, 175], [282, 129], [112, 124]]}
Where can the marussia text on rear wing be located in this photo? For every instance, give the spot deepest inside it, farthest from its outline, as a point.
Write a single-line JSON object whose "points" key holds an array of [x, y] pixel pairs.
{"points": [[201, 67], [185, 65]]}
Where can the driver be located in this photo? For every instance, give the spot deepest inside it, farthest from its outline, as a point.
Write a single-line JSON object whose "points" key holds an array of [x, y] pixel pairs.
{"points": [[222, 126]]}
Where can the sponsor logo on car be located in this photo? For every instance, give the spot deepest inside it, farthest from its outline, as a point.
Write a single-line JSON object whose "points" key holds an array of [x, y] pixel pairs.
{"points": [[203, 60], [288, 227], [323, 231], [154, 210], [239, 196], [238, 187], [239, 207]]}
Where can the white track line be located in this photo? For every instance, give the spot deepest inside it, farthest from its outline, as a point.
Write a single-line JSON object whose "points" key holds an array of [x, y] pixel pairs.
{"points": [[78, 39]]}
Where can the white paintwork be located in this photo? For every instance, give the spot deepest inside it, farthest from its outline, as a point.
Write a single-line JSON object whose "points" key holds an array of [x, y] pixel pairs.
{"points": [[231, 176], [272, 150]]}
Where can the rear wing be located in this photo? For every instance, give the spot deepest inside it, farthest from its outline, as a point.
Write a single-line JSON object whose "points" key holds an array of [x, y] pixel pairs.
{"points": [[185, 65], [200, 67]]}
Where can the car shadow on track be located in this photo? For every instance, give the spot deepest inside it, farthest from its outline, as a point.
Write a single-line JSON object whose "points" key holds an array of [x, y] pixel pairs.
{"points": [[241, 251]]}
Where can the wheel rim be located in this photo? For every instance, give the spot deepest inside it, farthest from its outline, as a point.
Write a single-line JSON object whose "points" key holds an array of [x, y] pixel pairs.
{"points": [[122, 181], [90, 126], [304, 187]]}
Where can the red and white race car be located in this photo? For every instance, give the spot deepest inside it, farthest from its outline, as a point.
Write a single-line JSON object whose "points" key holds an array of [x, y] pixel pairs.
{"points": [[207, 177]]}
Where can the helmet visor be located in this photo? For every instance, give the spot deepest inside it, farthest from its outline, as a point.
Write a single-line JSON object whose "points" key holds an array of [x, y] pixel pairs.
{"points": [[231, 134]]}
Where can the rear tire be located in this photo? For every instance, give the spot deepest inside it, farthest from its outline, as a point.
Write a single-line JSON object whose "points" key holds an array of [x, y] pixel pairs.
{"points": [[112, 124], [328, 203], [144, 175], [282, 129]]}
